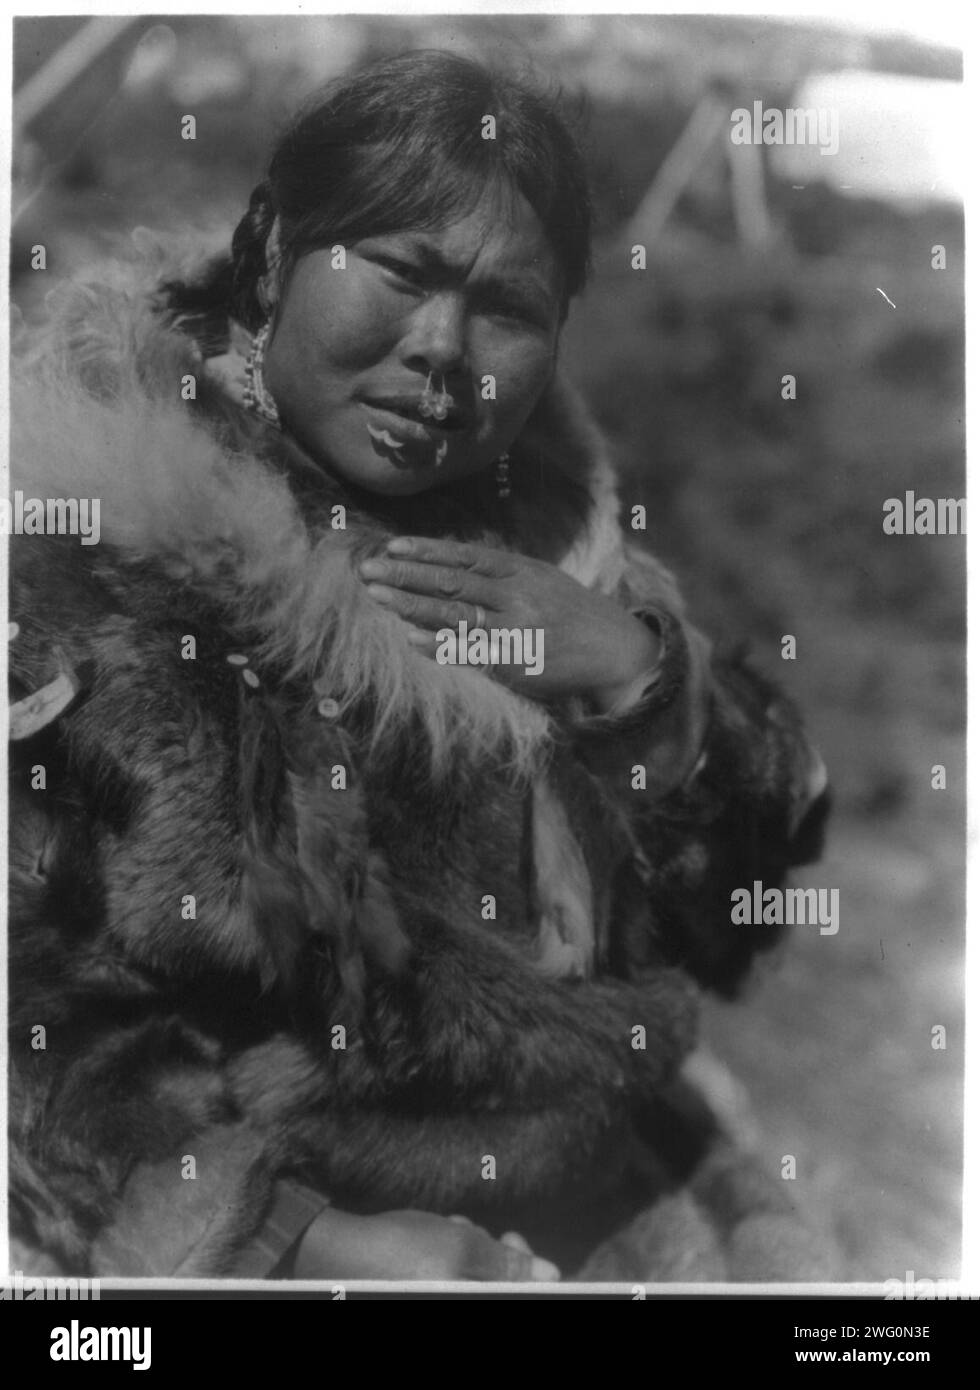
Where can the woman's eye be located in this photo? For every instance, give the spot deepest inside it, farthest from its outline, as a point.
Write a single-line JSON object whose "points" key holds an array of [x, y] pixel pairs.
{"points": [[403, 269], [518, 311]]}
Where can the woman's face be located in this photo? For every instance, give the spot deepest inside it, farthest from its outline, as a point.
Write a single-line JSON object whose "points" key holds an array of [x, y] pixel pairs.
{"points": [[351, 348]]}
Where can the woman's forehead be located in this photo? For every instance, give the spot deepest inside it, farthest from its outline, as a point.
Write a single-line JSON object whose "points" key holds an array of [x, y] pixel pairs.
{"points": [[495, 236]]}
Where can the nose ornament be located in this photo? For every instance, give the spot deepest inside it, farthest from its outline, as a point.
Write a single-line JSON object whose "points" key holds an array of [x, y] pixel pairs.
{"points": [[434, 403]]}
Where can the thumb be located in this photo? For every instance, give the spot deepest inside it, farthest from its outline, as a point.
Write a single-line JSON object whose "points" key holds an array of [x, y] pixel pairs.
{"points": [[496, 1261]]}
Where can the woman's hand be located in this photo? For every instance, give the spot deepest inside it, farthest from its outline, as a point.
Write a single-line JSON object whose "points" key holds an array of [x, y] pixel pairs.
{"points": [[413, 1245], [585, 643]]}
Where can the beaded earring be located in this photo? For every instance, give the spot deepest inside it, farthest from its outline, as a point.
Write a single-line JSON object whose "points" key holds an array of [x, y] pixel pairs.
{"points": [[255, 394], [502, 471]]}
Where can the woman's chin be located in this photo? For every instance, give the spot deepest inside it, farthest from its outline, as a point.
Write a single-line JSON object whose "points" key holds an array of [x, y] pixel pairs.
{"points": [[400, 472], [396, 476], [382, 471]]}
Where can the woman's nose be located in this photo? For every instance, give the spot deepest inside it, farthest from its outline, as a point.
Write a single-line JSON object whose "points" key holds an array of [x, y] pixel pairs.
{"points": [[436, 340]]}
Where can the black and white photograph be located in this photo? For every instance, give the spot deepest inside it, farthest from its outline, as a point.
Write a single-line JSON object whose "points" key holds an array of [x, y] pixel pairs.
{"points": [[485, 529]]}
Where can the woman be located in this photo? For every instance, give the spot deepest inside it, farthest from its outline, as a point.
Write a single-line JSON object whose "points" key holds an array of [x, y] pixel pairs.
{"points": [[311, 912]]}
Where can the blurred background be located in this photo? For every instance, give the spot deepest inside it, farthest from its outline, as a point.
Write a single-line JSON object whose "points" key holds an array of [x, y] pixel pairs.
{"points": [[761, 262]]}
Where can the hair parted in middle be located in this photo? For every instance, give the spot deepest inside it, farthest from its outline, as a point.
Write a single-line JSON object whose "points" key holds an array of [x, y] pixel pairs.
{"points": [[400, 145]]}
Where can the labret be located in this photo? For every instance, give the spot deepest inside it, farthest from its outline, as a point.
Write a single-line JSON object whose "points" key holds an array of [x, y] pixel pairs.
{"points": [[434, 403]]}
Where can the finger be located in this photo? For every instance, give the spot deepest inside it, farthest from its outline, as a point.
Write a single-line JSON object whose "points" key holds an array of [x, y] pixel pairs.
{"points": [[430, 613], [426, 643], [433, 645], [441, 581], [541, 1270], [490, 1260], [478, 559]]}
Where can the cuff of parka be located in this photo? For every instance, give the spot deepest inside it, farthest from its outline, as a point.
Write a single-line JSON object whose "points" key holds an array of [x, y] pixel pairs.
{"points": [[192, 1214], [294, 1209], [661, 723]]}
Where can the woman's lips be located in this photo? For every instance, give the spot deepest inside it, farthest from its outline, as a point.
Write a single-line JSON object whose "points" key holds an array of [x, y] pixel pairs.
{"points": [[408, 443], [402, 427]]}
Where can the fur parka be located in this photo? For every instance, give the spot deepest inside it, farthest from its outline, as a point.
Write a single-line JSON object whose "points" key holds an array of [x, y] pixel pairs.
{"points": [[284, 894]]}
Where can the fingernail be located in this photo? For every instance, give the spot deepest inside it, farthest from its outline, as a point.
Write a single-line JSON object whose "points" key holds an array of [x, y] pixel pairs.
{"points": [[419, 639], [374, 569], [401, 545], [379, 593], [544, 1271]]}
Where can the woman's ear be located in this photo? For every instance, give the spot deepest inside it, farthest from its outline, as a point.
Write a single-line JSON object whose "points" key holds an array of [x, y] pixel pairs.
{"points": [[270, 285]]}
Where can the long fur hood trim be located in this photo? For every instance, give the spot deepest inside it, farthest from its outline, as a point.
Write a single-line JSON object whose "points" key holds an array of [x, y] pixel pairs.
{"points": [[98, 414]]}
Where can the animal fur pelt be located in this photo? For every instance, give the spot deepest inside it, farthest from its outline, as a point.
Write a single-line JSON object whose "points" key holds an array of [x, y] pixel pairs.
{"points": [[235, 953]]}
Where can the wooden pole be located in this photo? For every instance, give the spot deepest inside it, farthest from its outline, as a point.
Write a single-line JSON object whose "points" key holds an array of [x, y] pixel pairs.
{"points": [[752, 220], [66, 64], [678, 169]]}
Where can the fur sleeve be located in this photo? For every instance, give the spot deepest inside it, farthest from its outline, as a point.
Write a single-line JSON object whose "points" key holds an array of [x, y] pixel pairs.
{"points": [[730, 791], [661, 723]]}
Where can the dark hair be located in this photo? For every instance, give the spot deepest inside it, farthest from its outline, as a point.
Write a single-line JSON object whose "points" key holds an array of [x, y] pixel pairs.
{"points": [[400, 145]]}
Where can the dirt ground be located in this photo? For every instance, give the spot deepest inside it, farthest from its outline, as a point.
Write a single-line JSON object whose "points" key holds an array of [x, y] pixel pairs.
{"points": [[834, 1046]]}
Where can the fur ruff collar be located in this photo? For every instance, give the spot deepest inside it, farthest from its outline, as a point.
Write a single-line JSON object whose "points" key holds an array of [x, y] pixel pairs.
{"points": [[96, 412]]}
